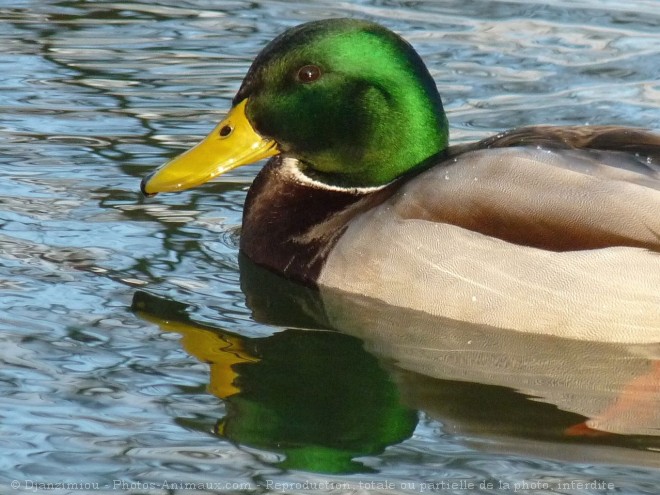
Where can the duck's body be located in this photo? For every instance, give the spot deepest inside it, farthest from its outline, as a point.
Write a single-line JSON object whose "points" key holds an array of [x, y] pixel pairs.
{"points": [[545, 229], [475, 239]]}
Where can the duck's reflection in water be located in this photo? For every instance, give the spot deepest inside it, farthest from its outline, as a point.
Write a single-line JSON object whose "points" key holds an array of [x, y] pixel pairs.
{"points": [[317, 397], [347, 378]]}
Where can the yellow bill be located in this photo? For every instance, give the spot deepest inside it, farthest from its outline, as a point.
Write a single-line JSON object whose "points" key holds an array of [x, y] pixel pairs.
{"points": [[231, 144]]}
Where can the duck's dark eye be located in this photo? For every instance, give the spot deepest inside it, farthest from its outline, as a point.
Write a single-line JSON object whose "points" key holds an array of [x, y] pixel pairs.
{"points": [[309, 73], [225, 130]]}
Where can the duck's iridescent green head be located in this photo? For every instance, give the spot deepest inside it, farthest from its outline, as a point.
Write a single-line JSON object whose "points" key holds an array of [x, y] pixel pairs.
{"points": [[352, 101]]}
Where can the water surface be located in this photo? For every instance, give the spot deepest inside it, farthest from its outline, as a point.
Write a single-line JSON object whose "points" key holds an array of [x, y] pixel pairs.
{"points": [[130, 357]]}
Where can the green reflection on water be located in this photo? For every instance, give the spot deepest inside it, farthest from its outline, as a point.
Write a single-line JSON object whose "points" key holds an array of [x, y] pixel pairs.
{"points": [[315, 396]]}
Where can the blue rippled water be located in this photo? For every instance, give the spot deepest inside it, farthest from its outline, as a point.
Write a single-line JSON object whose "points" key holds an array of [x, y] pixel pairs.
{"points": [[130, 359]]}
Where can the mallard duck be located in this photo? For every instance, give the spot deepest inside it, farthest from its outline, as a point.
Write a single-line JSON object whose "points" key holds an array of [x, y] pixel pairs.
{"points": [[552, 230]]}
